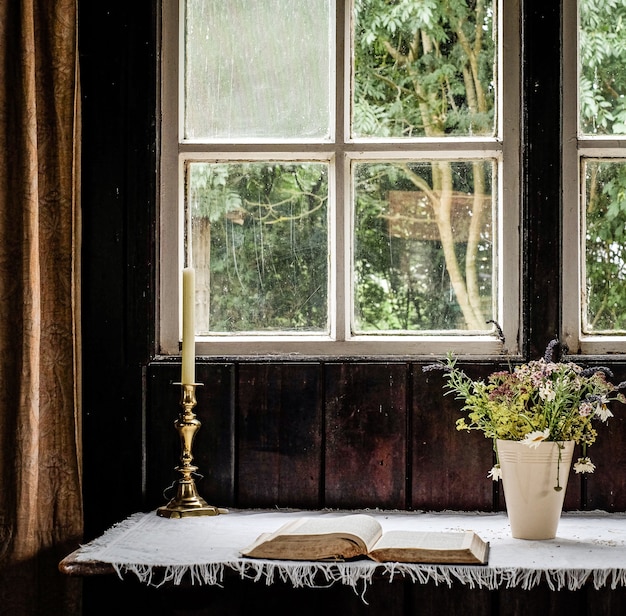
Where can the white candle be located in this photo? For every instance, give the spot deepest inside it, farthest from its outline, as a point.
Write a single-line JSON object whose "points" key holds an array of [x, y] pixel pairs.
{"points": [[188, 376]]}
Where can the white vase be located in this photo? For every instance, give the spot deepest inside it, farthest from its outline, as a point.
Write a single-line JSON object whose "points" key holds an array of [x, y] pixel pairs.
{"points": [[529, 477]]}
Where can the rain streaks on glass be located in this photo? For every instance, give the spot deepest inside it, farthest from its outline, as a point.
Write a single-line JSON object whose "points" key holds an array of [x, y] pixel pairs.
{"points": [[259, 245], [257, 69]]}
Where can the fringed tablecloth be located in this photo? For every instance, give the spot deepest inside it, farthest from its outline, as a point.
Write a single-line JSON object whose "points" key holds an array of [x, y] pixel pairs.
{"points": [[590, 547]]}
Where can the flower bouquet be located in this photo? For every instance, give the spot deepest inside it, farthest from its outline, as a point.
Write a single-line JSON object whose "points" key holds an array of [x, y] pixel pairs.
{"points": [[542, 400]]}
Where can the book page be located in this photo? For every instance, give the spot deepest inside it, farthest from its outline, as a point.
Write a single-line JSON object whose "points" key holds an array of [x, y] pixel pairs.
{"points": [[319, 537], [359, 525], [425, 540], [431, 547]]}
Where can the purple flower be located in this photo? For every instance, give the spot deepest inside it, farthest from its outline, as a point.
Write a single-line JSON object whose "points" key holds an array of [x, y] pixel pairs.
{"points": [[594, 369], [548, 356]]}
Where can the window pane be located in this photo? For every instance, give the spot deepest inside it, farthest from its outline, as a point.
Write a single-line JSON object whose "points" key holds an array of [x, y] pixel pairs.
{"points": [[423, 69], [602, 80], [604, 305], [424, 257], [242, 61], [259, 246]]}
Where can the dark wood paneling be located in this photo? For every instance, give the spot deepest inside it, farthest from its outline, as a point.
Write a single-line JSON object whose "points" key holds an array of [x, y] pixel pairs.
{"points": [[541, 173], [117, 45], [605, 601], [449, 468], [606, 488], [279, 435], [269, 439], [396, 598], [366, 435]]}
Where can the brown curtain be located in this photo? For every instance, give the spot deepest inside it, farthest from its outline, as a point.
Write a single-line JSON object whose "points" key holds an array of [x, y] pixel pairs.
{"points": [[40, 468]]}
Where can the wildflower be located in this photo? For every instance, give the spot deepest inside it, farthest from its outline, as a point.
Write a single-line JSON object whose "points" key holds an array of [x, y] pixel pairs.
{"points": [[532, 439], [546, 392], [603, 412], [495, 473], [550, 350], [540, 400], [584, 465], [595, 369]]}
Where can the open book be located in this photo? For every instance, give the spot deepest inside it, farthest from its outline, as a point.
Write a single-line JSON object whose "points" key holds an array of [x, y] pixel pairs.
{"points": [[361, 535]]}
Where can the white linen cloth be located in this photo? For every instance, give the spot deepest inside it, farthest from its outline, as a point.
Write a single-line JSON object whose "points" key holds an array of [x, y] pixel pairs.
{"points": [[589, 547]]}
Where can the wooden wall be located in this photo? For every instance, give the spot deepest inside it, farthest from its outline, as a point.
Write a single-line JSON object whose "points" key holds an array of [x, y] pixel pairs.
{"points": [[343, 435], [290, 433]]}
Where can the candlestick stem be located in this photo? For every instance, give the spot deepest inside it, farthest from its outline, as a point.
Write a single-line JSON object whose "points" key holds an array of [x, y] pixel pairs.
{"points": [[187, 501]]}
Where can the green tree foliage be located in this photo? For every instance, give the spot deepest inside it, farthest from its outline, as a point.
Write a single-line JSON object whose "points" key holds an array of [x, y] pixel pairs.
{"points": [[425, 69], [421, 69], [605, 245], [265, 228], [602, 39], [602, 98]]}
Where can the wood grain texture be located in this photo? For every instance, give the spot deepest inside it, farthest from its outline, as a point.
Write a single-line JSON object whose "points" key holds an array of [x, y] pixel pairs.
{"points": [[366, 435], [449, 468], [279, 437]]}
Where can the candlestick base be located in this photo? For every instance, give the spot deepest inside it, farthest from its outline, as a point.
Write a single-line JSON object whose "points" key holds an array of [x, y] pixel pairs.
{"points": [[190, 505], [187, 502]]}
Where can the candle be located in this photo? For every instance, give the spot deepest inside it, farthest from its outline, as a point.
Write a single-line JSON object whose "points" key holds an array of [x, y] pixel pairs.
{"points": [[188, 376]]}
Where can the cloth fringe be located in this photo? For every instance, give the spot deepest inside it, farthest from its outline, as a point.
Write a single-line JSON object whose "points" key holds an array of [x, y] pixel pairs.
{"points": [[318, 575]]}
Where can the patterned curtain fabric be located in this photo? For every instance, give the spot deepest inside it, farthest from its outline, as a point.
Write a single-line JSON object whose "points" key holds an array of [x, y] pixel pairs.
{"points": [[40, 457]]}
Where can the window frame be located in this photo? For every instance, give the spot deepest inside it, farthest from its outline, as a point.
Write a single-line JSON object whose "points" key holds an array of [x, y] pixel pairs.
{"points": [[575, 148], [505, 147]]}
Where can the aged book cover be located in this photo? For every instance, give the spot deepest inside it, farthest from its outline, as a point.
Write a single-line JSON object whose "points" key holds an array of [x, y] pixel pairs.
{"points": [[361, 535]]}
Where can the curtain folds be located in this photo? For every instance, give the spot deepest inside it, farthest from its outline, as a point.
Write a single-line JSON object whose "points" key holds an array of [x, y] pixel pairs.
{"points": [[40, 456]]}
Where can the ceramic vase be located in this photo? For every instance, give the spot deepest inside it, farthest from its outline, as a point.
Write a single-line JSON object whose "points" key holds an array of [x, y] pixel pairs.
{"points": [[534, 481]]}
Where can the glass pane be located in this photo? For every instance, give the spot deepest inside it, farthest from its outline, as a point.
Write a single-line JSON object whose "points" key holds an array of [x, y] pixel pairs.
{"points": [[259, 246], [248, 75], [604, 302], [424, 258], [424, 68], [602, 79]]}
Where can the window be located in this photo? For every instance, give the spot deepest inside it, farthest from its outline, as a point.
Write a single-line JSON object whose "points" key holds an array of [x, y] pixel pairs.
{"points": [[594, 171], [343, 175]]}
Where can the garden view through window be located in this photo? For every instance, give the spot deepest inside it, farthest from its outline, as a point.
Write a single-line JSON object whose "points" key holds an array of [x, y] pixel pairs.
{"points": [[342, 175], [371, 193], [602, 123]]}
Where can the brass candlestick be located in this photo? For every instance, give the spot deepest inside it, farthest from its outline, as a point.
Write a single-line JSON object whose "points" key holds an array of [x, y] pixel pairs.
{"points": [[187, 501]]}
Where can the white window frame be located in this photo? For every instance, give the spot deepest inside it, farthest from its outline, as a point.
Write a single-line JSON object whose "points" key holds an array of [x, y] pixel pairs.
{"points": [[505, 148], [575, 148]]}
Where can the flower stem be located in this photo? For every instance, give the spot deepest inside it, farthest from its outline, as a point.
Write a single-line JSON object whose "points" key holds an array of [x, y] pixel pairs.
{"points": [[558, 487]]}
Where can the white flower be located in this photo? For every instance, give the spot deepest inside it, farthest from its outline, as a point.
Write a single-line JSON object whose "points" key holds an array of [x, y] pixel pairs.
{"points": [[546, 392], [584, 465], [495, 473], [532, 439], [603, 412]]}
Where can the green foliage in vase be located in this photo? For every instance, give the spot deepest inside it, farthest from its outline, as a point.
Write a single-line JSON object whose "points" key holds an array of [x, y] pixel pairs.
{"points": [[542, 400]]}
